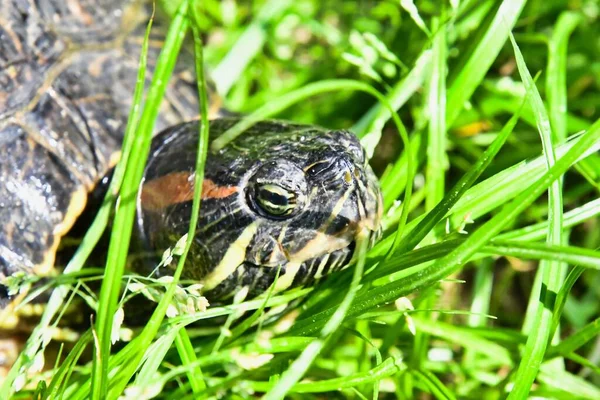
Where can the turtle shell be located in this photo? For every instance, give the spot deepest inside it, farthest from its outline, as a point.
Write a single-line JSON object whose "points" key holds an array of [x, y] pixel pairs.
{"points": [[67, 74]]}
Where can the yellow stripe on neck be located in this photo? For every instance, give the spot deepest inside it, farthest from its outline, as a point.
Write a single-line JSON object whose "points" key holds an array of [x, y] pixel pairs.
{"points": [[285, 280], [235, 255]]}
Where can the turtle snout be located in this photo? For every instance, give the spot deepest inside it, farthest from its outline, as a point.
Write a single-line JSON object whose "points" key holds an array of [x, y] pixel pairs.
{"points": [[372, 202], [369, 203], [360, 202], [367, 195]]}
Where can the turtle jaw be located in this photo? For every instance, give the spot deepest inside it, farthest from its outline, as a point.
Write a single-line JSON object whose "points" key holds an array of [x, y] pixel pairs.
{"points": [[260, 278], [370, 205], [300, 273]]}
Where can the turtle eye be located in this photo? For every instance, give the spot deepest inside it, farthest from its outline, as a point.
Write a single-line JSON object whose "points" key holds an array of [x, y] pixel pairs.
{"points": [[275, 200], [277, 190]]}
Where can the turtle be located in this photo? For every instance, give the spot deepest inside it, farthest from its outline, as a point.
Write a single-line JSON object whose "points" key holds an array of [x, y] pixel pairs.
{"points": [[283, 198]]}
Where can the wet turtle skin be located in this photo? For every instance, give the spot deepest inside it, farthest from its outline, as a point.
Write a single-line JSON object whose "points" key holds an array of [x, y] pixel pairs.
{"points": [[282, 196], [67, 73]]}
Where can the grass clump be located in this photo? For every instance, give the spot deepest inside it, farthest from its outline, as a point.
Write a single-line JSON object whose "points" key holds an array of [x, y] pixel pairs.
{"points": [[484, 282]]}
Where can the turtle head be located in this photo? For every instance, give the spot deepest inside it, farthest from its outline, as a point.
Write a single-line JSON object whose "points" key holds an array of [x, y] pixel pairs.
{"points": [[281, 200]]}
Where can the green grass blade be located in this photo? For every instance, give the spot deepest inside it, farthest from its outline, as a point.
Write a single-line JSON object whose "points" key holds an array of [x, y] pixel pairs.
{"points": [[466, 181], [402, 265], [569, 385], [124, 217], [401, 262], [149, 332], [495, 104], [556, 78], [482, 57], [563, 294], [576, 340], [244, 325], [437, 162], [153, 358], [188, 356], [61, 377], [583, 362], [495, 191], [539, 312], [571, 218], [283, 102], [388, 367], [394, 180], [538, 251], [373, 121], [124, 357], [482, 297], [461, 336], [249, 44], [212, 312], [437, 388]]}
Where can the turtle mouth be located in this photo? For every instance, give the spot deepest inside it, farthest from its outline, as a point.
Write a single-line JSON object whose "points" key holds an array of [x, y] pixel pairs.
{"points": [[300, 273], [329, 258], [293, 270], [335, 260]]}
